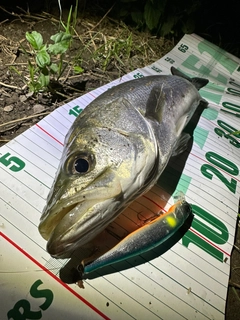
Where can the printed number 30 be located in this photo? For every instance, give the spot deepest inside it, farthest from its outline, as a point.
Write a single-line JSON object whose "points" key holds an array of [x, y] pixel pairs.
{"points": [[14, 163]]}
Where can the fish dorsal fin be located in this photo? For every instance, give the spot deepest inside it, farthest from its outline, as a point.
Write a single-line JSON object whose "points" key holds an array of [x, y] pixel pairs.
{"points": [[157, 101], [197, 82]]}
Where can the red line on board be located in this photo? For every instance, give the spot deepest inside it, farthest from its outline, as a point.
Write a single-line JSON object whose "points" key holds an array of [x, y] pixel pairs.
{"points": [[212, 244], [54, 277], [198, 234], [214, 166], [92, 95], [37, 125], [154, 203]]}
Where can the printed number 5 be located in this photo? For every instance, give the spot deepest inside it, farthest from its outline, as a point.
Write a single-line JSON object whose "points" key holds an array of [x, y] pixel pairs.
{"points": [[15, 163]]}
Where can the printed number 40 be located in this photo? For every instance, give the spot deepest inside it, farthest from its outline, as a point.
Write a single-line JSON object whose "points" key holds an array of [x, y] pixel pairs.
{"points": [[13, 163]]}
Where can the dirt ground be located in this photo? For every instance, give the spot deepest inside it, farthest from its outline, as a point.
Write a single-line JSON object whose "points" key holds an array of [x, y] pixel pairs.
{"points": [[20, 110]]}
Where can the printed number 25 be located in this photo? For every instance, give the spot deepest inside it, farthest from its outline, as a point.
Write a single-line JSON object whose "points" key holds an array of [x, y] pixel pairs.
{"points": [[13, 163]]}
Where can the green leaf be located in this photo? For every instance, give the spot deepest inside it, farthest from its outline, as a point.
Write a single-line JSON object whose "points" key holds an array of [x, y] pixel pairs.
{"points": [[31, 69], [61, 43], [137, 17], [35, 39], [77, 69], [188, 26], [43, 59], [54, 68], [57, 48], [152, 13], [128, 0], [44, 80], [123, 12], [167, 26], [34, 86], [60, 37]]}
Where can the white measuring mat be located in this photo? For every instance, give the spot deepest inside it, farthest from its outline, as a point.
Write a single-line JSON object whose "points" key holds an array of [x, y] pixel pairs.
{"points": [[190, 280]]}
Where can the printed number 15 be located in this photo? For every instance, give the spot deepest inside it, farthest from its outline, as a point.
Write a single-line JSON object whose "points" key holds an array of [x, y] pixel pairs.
{"points": [[14, 163]]}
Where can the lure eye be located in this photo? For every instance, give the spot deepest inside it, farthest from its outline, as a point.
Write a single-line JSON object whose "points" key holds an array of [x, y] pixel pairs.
{"points": [[81, 165]]}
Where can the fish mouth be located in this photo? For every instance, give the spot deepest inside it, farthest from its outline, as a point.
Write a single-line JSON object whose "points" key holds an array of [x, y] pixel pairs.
{"points": [[73, 218], [76, 225], [52, 217]]}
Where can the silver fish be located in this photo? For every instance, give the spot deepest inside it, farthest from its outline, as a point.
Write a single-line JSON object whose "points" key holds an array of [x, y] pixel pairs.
{"points": [[115, 151]]}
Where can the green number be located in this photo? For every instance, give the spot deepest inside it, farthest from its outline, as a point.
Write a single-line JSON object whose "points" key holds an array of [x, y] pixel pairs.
{"points": [[219, 237], [75, 111], [170, 60], [234, 84], [156, 69], [231, 113], [138, 75], [208, 171], [233, 91], [14, 163], [231, 139], [222, 163], [183, 48], [231, 106], [203, 229], [191, 237], [228, 128]]}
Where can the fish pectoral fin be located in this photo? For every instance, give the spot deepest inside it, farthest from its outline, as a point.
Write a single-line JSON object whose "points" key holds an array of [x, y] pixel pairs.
{"points": [[157, 102], [180, 124], [181, 144]]}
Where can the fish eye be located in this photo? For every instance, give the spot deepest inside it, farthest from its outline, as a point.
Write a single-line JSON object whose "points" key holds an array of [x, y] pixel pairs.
{"points": [[81, 165]]}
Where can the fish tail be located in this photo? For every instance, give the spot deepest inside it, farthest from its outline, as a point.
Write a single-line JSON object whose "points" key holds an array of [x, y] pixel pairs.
{"points": [[196, 81]]}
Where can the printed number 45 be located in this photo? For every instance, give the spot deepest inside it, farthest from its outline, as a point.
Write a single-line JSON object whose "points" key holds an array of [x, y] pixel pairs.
{"points": [[13, 163]]}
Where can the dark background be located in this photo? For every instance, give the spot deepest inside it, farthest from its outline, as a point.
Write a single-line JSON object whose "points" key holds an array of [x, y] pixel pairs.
{"points": [[216, 21]]}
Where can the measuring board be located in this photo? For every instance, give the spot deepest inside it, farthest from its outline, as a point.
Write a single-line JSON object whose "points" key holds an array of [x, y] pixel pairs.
{"points": [[188, 281]]}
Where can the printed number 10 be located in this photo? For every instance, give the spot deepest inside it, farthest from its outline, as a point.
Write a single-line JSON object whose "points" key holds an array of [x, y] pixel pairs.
{"points": [[13, 163], [75, 111]]}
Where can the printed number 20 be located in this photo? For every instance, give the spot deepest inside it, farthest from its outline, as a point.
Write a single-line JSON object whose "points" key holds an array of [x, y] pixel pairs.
{"points": [[13, 163], [208, 171]]}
